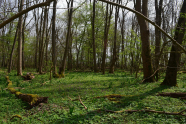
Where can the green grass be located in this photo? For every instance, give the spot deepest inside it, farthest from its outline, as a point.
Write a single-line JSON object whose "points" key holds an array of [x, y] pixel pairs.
{"points": [[61, 110]]}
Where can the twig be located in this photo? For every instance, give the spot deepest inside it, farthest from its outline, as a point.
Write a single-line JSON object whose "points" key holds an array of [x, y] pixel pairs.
{"points": [[147, 19], [152, 74], [182, 111], [82, 103], [44, 83], [70, 98], [47, 3]]}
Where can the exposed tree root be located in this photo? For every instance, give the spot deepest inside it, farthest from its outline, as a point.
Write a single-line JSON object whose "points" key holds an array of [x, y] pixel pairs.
{"points": [[31, 99], [174, 95]]}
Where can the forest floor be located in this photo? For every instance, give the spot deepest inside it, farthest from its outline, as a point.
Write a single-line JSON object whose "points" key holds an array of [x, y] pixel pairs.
{"points": [[65, 94]]}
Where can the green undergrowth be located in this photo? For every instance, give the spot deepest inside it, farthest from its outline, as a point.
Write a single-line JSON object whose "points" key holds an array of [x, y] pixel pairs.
{"points": [[64, 107]]}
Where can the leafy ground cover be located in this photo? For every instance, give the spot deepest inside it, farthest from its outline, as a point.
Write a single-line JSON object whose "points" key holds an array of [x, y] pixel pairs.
{"points": [[64, 106]]}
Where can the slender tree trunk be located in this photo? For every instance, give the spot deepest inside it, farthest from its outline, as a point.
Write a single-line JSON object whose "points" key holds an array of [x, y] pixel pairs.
{"points": [[12, 52], [174, 60], [122, 39], [47, 40], [70, 53], [114, 58], [54, 37], [158, 8], [62, 68], [77, 56], [37, 40], [93, 37], [19, 67], [106, 31], [144, 31], [23, 39], [41, 46]]}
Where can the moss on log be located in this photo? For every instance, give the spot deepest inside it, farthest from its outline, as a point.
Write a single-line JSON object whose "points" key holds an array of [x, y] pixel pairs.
{"points": [[31, 99]]}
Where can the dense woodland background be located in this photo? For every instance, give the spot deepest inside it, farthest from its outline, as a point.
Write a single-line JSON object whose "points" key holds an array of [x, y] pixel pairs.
{"points": [[94, 35], [91, 61]]}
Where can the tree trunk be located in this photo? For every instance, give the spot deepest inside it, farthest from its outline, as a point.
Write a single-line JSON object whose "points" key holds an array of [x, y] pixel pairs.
{"points": [[174, 60], [114, 58], [106, 31], [122, 39], [93, 37], [54, 38], [23, 39], [47, 40], [158, 8], [62, 68], [144, 31], [19, 66], [37, 40], [70, 54], [41, 48], [12, 52]]}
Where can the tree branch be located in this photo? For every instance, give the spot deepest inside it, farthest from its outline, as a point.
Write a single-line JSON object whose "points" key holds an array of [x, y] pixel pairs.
{"points": [[144, 17], [47, 3]]}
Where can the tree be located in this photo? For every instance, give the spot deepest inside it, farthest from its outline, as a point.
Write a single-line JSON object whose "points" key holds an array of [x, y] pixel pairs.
{"points": [[54, 37], [93, 37], [12, 51], [19, 66], [106, 32], [47, 3], [144, 31], [158, 8], [175, 55], [62, 68], [115, 57]]}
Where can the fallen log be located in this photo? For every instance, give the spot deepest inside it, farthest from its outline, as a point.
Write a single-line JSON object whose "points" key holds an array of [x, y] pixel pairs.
{"points": [[31, 99], [173, 95]]}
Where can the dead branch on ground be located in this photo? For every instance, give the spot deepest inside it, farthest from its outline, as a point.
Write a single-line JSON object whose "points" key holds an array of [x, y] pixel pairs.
{"points": [[82, 103]]}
